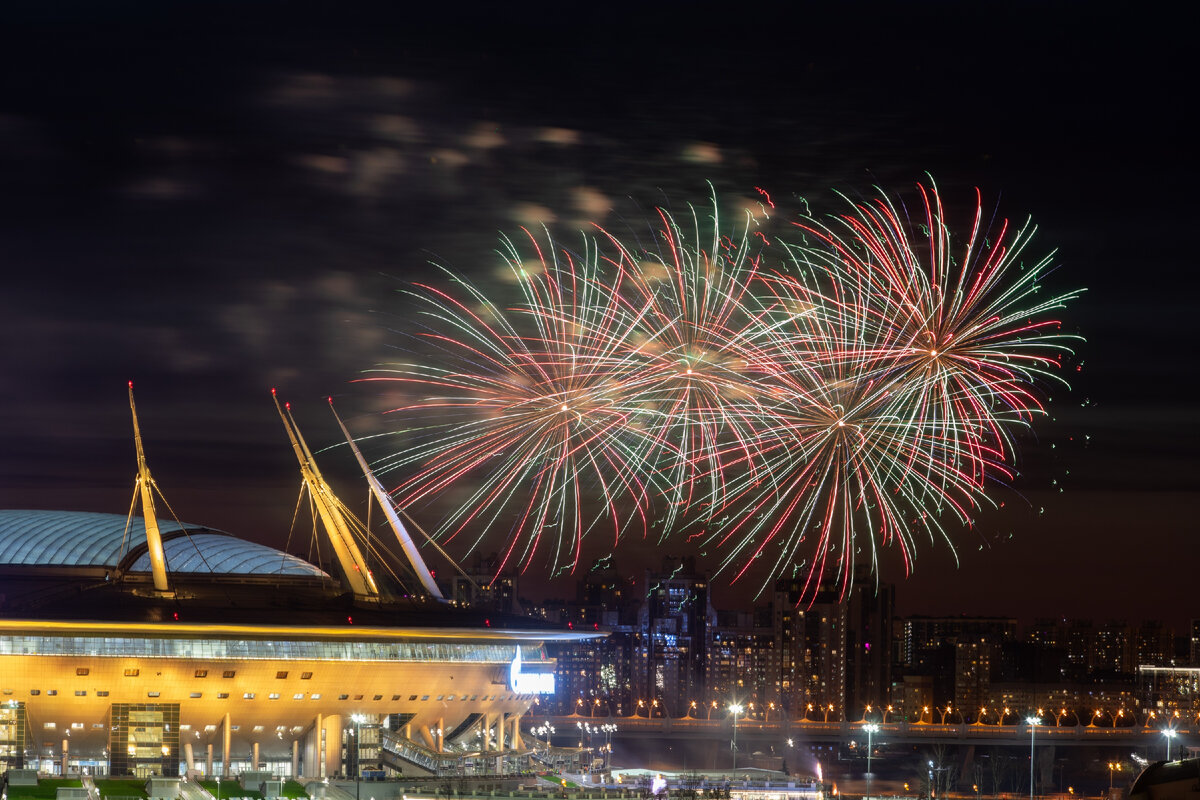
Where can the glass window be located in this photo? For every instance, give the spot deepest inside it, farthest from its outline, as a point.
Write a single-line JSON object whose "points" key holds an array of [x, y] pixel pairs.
{"points": [[195, 695], [247, 695], [280, 675], [222, 695], [201, 673], [229, 673], [343, 697], [81, 692], [82, 670], [304, 676], [132, 673]]}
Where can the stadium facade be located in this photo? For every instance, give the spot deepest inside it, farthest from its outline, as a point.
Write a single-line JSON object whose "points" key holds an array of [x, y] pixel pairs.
{"points": [[134, 647]]}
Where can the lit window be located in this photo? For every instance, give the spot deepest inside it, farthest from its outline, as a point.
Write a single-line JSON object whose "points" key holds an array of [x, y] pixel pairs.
{"points": [[195, 695], [153, 694], [76, 726], [132, 673], [52, 692], [247, 695], [424, 697], [257, 729], [316, 696], [298, 696], [81, 692], [222, 695], [273, 696]]}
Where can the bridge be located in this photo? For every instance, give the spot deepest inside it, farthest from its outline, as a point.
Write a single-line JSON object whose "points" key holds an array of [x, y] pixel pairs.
{"points": [[1142, 736]]}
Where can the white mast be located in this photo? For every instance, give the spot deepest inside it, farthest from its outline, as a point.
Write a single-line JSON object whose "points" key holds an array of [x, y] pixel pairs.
{"points": [[354, 566], [145, 486], [389, 510]]}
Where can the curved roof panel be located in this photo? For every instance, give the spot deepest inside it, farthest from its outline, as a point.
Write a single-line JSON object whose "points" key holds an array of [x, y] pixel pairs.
{"points": [[222, 554], [89, 539]]}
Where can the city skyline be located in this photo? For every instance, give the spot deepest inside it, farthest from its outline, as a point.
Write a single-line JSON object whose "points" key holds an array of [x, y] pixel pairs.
{"points": [[214, 204]]}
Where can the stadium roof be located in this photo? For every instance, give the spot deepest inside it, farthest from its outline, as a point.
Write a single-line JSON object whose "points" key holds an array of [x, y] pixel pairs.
{"points": [[111, 541]]}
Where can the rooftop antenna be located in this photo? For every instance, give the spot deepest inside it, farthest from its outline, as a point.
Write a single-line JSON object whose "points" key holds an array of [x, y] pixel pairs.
{"points": [[145, 486], [354, 566], [389, 510]]}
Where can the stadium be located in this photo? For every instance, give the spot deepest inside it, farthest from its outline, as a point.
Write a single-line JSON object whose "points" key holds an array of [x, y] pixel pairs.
{"points": [[140, 648]]}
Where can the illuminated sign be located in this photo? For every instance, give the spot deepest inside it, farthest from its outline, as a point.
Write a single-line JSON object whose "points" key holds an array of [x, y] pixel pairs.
{"points": [[528, 682]]}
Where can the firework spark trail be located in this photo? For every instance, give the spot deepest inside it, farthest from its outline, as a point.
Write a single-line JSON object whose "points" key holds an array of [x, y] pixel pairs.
{"points": [[855, 390], [524, 404], [957, 339], [689, 360]]}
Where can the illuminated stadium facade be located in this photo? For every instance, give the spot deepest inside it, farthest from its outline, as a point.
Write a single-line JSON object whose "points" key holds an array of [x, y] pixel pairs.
{"points": [[228, 656]]}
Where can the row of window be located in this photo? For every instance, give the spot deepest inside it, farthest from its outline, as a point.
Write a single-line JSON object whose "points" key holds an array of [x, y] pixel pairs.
{"points": [[252, 649], [276, 695], [133, 672]]}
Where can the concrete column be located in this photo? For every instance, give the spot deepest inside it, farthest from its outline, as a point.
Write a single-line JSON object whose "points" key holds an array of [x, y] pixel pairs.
{"points": [[517, 744], [427, 738], [501, 731], [295, 759], [441, 734], [254, 758], [189, 757], [66, 753], [226, 742], [208, 773]]}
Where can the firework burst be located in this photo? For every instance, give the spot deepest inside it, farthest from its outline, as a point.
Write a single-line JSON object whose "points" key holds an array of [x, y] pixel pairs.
{"points": [[807, 400]]}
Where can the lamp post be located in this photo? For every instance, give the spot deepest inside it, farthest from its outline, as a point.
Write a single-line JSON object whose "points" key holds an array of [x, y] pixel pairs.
{"points": [[218, 787], [736, 708], [1112, 765], [1033, 723], [870, 728], [358, 720], [1170, 734]]}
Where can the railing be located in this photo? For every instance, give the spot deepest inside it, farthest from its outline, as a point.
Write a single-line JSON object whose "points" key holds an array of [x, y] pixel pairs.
{"points": [[658, 726]]}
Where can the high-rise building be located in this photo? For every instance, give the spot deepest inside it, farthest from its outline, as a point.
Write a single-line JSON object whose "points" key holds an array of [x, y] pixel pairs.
{"points": [[671, 642]]}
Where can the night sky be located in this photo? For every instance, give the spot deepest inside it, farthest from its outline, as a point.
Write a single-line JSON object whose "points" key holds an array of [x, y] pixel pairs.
{"points": [[212, 199]]}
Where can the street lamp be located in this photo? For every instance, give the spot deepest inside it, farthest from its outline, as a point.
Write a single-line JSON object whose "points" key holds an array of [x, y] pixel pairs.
{"points": [[1112, 765], [358, 720], [1170, 734], [1033, 723], [736, 708], [870, 728]]}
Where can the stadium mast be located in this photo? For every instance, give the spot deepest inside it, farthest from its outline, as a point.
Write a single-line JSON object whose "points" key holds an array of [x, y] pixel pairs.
{"points": [[353, 565], [389, 510], [145, 486]]}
